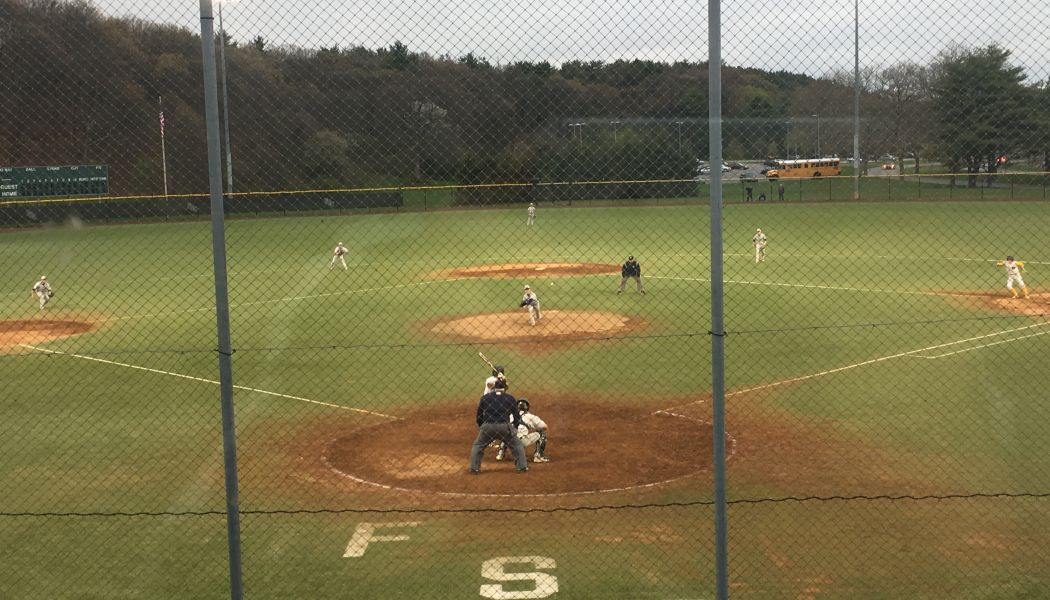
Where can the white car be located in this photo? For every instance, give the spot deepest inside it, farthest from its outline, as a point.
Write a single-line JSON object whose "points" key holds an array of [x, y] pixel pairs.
{"points": [[706, 169]]}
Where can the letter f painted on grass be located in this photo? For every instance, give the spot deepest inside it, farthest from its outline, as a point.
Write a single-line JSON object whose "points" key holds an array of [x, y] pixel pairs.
{"points": [[365, 534]]}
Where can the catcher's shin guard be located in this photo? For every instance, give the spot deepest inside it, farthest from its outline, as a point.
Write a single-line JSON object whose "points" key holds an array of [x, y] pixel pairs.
{"points": [[541, 445]]}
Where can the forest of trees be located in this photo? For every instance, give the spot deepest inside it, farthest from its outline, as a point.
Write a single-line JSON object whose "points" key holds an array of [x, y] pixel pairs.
{"points": [[82, 88]]}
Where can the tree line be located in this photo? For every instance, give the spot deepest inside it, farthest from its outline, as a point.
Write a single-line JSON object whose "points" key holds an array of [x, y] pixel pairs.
{"points": [[84, 88]]}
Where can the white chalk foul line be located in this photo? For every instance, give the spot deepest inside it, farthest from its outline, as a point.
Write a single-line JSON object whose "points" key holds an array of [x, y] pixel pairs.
{"points": [[857, 365], [211, 381], [820, 287], [1023, 337]]}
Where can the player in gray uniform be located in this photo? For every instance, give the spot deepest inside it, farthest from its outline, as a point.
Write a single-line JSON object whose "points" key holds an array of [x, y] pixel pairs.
{"points": [[530, 301], [532, 214], [42, 291], [339, 254], [533, 430]]}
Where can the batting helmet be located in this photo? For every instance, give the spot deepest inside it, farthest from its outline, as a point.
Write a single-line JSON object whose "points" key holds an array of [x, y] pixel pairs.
{"points": [[497, 370], [523, 404]]}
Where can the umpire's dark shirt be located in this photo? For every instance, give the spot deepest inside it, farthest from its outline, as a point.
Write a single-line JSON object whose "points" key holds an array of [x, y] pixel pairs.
{"points": [[631, 268], [497, 407]]}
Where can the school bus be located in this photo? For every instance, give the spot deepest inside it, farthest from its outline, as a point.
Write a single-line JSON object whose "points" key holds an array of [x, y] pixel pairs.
{"points": [[806, 167]]}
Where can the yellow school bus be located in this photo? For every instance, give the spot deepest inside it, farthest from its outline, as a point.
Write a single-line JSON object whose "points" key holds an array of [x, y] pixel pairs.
{"points": [[806, 167]]}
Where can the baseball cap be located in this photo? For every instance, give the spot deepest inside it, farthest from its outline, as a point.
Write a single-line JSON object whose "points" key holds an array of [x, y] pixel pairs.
{"points": [[528, 287], [631, 257]]}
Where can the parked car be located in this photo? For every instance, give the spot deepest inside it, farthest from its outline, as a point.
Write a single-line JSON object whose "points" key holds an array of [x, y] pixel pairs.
{"points": [[888, 166], [736, 166], [706, 169]]}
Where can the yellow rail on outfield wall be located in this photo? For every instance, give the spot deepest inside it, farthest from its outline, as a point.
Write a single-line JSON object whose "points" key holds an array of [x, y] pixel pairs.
{"points": [[390, 188], [509, 184]]}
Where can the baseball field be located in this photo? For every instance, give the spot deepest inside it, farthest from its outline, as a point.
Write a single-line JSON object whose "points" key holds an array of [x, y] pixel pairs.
{"points": [[886, 405]]}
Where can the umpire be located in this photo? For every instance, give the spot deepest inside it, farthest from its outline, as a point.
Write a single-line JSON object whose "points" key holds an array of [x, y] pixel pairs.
{"points": [[496, 411]]}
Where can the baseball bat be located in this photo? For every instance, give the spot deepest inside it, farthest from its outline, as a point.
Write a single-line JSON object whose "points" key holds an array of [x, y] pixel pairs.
{"points": [[487, 361]]}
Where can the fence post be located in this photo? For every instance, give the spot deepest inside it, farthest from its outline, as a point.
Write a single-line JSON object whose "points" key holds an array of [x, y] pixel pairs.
{"points": [[222, 301]]}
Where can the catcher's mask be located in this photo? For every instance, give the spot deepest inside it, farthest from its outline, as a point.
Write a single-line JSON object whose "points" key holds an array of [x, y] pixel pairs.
{"points": [[523, 404]]}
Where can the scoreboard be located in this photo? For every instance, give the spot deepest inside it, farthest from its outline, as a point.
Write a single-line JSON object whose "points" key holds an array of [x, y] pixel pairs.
{"points": [[71, 180]]}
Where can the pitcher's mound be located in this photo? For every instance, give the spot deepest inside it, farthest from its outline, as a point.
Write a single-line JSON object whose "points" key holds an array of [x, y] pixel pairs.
{"points": [[552, 325]]}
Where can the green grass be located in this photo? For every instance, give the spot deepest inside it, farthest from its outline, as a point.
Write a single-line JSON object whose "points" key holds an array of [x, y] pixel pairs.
{"points": [[823, 330]]}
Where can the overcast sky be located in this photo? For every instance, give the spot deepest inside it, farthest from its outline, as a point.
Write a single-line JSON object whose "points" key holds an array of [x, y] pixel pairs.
{"points": [[813, 37]]}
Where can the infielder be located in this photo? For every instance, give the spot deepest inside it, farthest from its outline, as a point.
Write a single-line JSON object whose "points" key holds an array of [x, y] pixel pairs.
{"points": [[631, 270], [1013, 275], [530, 301], [42, 291], [338, 254], [532, 214], [532, 431], [759, 241]]}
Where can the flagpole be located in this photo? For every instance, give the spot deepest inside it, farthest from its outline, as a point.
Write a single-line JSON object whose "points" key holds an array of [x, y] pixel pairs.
{"points": [[163, 156]]}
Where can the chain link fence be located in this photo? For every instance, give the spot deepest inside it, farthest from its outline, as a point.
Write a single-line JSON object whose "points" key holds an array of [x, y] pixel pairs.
{"points": [[400, 180]]}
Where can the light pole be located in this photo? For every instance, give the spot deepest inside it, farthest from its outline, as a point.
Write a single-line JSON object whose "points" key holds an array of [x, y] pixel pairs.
{"points": [[225, 102], [818, 133]]}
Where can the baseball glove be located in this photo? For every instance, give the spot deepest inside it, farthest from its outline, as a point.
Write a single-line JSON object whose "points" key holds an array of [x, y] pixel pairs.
{"points": [[50, 294]]}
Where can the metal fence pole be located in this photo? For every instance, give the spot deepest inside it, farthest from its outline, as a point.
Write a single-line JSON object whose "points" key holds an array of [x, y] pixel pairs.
{"points": [[718, 398], [856, 99], [222, 301]]}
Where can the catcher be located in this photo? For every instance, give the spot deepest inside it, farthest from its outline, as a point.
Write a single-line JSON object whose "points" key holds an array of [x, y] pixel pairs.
{"points": [[42, 291], [530, 301], [533, 430]]}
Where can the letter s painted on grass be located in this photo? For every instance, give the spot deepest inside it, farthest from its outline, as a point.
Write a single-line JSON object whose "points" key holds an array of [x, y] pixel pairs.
{"points": [[544, 584], [364, 535]]}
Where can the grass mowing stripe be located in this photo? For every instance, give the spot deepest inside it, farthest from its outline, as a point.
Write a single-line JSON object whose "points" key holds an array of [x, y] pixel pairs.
{"points": [[285, 299], [211, 381]]}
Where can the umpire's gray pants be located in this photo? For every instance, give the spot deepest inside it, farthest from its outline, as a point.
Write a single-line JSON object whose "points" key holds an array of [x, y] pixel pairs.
{"points": [[637, 282], [497, 431]]}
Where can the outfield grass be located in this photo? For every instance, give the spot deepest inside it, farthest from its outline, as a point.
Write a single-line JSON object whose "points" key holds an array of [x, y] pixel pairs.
{"points": [[834, 345]]}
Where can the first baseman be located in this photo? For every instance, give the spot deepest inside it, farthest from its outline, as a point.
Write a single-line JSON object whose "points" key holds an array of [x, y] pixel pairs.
{"points": [[1013, 275], [42, 291], [530, 301], [338, 254]]}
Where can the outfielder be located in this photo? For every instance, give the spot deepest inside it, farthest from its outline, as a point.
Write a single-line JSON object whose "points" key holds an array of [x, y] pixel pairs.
{"points": [[338, 254], [530, 301], [532, 431], [1013, 275], [759, 241], [42, 291], [532, 214]]}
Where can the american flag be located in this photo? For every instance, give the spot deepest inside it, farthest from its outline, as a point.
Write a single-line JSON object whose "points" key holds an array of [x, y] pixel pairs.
{"points": [[162, 123]]}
